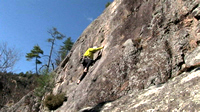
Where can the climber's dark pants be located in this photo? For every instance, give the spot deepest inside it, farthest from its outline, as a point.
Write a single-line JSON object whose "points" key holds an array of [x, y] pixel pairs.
{"points": [[82, 76], [86, 64]]}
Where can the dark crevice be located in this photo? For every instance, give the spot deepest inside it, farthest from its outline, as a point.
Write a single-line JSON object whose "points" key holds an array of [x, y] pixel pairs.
{"points": [[180, 64], [168, 49], [197, 17], [194, 8], [97, 108], [177, 21], [190, 12], [166, 31], [189, 68], [64, 62]]}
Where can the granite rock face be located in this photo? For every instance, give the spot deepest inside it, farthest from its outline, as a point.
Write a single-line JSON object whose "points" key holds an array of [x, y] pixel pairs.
{"points": [[147, 43], [180, 94], [146, 64]]}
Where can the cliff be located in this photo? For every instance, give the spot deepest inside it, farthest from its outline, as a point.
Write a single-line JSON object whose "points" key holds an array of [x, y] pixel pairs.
{"points": [[150, 61], [146, 43]]}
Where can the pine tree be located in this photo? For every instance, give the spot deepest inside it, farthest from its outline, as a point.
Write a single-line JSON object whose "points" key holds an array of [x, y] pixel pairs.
{"points": [[35, 53], [56, 35], [108, 3], [64, 50]]}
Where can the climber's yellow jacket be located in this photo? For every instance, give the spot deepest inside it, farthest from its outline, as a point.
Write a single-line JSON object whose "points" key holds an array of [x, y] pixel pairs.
{"points": [[90, 52]]}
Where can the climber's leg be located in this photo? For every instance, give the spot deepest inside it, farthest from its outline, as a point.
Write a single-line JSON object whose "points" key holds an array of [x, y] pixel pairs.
{"points": [[89, 62], [81, 78]]}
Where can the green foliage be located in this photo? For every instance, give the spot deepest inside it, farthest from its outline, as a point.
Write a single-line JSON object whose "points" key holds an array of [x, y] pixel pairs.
{"points": [[108, 3], [45, 83], [35, 53], [54, 101], [29, 73], [66, 47], [64, 50]]}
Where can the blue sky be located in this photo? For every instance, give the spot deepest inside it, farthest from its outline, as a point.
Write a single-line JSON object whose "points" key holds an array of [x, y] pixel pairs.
{"points": [[24, 23]]}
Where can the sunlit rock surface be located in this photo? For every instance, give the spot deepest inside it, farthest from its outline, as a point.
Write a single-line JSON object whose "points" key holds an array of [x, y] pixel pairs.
{"points": [[149, 63]]}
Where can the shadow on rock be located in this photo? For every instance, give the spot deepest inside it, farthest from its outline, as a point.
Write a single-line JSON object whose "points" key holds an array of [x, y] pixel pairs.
{"points": [[96, 108]]}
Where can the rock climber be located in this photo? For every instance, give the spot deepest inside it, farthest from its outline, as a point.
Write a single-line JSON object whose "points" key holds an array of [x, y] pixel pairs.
{"points": [[88, 60]]}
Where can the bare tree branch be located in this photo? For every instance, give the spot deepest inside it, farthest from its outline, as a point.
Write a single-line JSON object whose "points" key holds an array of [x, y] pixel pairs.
{"points": [[8, 57]]}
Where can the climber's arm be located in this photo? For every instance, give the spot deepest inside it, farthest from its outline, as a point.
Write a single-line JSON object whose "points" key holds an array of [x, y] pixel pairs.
{"points": [[95, 49]]}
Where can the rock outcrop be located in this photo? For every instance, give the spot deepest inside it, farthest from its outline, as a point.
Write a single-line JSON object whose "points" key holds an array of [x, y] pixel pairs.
{"points": [[28, 103], [146, 43], [150, 61], [178, 94], [13, 87]]}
